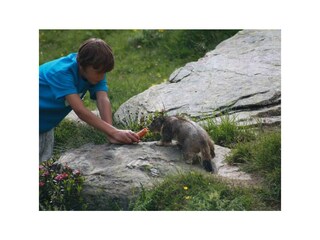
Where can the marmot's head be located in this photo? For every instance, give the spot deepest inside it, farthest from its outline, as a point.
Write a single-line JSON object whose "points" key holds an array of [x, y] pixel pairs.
{"points": [[156, 124]]}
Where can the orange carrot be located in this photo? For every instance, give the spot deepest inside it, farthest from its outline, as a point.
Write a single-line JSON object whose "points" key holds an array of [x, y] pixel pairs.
{"points": [[142, 132]]}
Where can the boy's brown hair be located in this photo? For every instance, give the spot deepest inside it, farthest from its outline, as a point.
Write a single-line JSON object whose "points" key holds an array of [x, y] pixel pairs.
{"points": [[96, 53]]}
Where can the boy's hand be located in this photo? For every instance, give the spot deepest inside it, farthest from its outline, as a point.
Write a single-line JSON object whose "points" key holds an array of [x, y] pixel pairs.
{"points": [[124, 137]]}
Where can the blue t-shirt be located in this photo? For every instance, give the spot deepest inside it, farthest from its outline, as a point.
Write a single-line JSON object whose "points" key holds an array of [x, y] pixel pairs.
{"points": [[57, 79]]}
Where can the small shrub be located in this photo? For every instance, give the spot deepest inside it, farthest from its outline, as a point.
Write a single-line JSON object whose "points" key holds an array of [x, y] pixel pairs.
{"points": [[241, 154], [226, 132], [60, 187]]}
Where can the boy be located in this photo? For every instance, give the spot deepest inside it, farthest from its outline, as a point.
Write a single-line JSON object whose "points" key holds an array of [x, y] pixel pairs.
{"points": [[62, 85]]}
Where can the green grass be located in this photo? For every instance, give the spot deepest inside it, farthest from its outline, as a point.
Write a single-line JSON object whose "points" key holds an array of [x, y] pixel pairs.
{"points": [[226, 132], [262, 157], [70, 134], [195, 191]]}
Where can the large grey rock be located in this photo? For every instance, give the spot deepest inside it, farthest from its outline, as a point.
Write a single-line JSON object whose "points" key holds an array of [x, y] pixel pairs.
{"points": [[115, 173], [242, 76]]}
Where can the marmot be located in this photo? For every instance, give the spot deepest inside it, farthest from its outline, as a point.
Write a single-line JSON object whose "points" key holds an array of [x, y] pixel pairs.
{"points": [[192, 138]]}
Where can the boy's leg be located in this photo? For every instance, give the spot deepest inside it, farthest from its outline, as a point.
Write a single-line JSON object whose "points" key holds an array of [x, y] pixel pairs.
{"points": [[46, 145]]}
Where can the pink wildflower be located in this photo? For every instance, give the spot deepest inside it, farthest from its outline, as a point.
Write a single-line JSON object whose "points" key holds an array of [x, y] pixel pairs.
{"points": [[41, 184], [61, 176], [46, 173]]}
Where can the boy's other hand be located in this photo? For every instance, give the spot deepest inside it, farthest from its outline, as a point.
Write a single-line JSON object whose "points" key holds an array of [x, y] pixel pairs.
{"points": [[124, 137]]}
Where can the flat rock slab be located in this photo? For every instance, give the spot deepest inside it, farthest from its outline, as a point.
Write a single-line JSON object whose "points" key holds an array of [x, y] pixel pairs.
{"points": [[117, 172]]}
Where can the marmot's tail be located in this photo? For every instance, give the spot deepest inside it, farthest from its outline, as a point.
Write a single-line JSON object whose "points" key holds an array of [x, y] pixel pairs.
{"points": [[211, 145], [207, 164]]}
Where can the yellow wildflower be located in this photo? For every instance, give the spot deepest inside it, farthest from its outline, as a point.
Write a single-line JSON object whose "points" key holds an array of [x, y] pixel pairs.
{"points": [[185, 188]]}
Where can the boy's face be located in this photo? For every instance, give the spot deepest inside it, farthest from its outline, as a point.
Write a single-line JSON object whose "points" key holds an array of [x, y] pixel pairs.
{"points": [[92, 75]]}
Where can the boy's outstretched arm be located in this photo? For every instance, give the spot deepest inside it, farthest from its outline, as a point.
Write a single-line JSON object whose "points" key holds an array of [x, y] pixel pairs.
{"points": [[104, 106], [115, 135]]}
